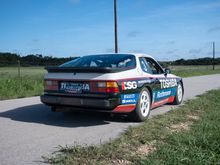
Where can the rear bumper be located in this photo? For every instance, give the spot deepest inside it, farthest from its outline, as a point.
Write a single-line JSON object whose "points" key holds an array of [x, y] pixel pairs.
{"points": [[87, 103]]}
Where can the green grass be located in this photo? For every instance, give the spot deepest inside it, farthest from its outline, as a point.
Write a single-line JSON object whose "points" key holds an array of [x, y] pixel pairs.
{"points": [[31, 81], [189, 71], [20, 87], [162, 138], [12, 72]]}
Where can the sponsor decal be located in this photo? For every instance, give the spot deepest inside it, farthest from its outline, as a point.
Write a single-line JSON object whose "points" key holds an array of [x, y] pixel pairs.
{"points": [[85, 87], [129, 98], [168, 83], [163, 94], [74, 87], [144, 81], [129, 85]]}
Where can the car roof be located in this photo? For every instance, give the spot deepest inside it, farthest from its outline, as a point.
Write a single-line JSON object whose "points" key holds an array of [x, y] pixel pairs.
{"points": [[142, 55], [135, 54]]}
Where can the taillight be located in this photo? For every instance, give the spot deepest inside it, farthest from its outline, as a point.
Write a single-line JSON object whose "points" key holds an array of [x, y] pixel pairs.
{"points": [[104, 87], [50, 85], [112, 87]]}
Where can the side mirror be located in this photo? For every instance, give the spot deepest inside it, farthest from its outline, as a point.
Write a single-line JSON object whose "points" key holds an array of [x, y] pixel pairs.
{"points": [[167, 71]]}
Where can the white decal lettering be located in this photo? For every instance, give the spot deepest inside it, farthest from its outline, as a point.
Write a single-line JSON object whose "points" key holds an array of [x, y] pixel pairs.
{"points": [[163, 94], [168, 83], [129, 85]]}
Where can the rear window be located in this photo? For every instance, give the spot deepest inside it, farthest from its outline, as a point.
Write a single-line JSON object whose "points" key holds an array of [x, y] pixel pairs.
{"points": [[103, 61]]}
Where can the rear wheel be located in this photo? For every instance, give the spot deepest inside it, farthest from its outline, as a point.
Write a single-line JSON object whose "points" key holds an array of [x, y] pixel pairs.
{"points": [[179, 95], [142, 110]]}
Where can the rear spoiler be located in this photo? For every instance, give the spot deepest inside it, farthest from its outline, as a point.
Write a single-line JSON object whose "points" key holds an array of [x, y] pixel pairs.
{"points": [[86, 70]]}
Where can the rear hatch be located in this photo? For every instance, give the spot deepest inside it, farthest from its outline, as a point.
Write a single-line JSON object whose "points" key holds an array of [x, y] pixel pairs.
{"points": [[72, 83]]}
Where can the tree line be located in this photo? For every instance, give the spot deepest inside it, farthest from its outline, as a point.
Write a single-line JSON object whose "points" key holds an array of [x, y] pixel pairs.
{"points": [[198, 61], [11, 59]]}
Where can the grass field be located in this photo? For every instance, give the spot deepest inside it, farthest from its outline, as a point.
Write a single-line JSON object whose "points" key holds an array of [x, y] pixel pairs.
{"points": [[192, 70], [30, 83], [187, 135], [12, 72]]}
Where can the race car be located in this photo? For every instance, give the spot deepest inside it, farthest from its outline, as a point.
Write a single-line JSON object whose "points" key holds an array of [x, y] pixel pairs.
{"points": [[117, 83]]}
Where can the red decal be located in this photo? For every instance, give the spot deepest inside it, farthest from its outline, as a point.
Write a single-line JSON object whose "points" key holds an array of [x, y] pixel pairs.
{"points": [[158, 103], [123, 86], [125, 108], [171, 99]]}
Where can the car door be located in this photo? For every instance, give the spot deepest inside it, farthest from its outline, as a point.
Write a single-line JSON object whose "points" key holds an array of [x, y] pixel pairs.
{"points": [[160, 91]]}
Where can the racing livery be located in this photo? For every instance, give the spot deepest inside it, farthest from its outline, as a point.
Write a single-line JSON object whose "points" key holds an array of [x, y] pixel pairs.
{"points": [[120, 83]]}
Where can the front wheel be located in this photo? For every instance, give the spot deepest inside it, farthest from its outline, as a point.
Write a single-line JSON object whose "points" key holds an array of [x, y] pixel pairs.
{"points": [[142, 110], [179, 95]]}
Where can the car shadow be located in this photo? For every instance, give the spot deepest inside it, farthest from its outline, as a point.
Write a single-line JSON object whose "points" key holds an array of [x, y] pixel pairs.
{"points": [[42, 114]]}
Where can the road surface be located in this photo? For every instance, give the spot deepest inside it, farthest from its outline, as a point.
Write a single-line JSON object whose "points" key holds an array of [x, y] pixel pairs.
{"points": [[28, 129]]}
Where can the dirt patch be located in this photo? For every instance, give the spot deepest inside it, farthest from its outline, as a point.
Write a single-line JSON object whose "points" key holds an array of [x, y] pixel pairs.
{"points": [[180, 127], [120, 162], [147, 148], [193, 117]]}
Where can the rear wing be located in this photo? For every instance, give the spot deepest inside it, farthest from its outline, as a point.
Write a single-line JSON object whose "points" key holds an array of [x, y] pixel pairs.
{"points": [[86, 69]]}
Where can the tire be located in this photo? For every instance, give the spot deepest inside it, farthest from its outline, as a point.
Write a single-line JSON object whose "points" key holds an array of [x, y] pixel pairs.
{"points": [[53, 108], [142, 110], [179, 94]]}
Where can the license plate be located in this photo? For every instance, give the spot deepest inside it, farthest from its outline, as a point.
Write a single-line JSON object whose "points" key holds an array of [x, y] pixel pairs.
{"points": [[70, 87]]}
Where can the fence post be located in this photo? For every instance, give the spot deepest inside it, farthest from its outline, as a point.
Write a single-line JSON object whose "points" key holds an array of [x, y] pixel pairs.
{"points": [[213, 60], [19, 69]]}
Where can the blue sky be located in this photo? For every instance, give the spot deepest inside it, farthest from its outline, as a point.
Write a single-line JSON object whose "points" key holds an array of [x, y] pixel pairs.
{"points": [[168, 30]]}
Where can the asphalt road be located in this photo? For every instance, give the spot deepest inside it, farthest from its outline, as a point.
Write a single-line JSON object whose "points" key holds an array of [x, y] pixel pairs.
{"points": [[28, 129]]}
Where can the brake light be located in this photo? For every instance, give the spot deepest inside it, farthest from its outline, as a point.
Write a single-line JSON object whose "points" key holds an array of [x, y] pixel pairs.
{"points": [[104, 87], [50, 85]]}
